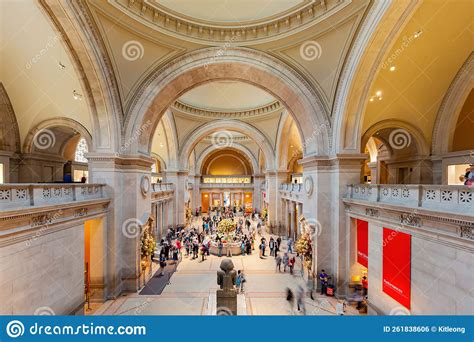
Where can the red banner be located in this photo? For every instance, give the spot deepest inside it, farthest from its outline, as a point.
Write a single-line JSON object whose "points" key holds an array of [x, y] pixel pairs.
{"points": [[363, 243], [396, 273]]}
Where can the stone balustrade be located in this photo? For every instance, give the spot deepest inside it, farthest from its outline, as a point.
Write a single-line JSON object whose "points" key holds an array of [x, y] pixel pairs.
{"points": [[292, 187], [18, 196], [162, 187], [226, 185], [292, 192], [446, 198]]}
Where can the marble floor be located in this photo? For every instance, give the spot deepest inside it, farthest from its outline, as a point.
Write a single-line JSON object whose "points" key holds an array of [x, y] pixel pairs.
{"points": [[193, 287]]}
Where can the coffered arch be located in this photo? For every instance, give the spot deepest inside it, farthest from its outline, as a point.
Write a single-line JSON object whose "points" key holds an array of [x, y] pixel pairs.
{"points": [[227, 126], [235, 147], [164, 86]]}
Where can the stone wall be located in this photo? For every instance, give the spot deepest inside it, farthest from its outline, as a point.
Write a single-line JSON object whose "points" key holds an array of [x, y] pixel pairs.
{"points": [[43, 273], [441, 277]]}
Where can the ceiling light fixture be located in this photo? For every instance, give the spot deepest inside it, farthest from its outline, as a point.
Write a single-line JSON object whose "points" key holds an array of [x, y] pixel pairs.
{"points": [[377, 96], [61, 65], [76, 95], [392, 68], [417, 34]]}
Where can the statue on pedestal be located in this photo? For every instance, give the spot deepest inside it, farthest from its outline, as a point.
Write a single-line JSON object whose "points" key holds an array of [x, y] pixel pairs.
{"points": [[227, 295]]}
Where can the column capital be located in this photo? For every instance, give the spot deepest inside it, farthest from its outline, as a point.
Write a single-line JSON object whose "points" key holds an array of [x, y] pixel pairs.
{"points": [[117, 161], [338, 161]]}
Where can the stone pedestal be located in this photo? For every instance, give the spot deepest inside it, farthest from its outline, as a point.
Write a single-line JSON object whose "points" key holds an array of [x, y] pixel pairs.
{"points": [[227, 299]]}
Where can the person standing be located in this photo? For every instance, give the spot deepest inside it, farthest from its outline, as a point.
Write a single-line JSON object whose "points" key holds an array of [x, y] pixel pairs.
{"points": [[219, 248], [271, 245], [310, 286], [365, 286], [238, 281], [278, 262], [290, 298], [242, 247], [323, 278], [290, 245], [291, 264], [229, 249]]}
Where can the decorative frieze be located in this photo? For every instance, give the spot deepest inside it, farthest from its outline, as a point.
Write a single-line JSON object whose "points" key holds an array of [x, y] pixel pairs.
{"points": [[41, 220], [372, 212], [80, 212], [467, 232], [410, 220]]}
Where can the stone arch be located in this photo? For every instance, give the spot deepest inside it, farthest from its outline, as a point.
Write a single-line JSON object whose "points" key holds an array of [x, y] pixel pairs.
{"points": [[171, 139], [9, 130], [421, 144], [160, 159], [282, 142], [227, 125], [375, 38], [236, 147], [80, 36], [55, 122], [450, 108], [165, 85]]}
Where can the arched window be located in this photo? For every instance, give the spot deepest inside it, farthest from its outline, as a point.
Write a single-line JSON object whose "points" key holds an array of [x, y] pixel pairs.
{"points": [[81, 150]]}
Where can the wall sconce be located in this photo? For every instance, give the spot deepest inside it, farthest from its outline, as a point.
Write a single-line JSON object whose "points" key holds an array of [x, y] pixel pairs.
{"points": [[76, 95]]}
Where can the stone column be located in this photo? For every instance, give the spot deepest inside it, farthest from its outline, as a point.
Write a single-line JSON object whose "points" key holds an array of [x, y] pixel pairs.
{"points": [[374, 168], [257, 191], [325, 212], [274, 179], [130, 208], [179, 179], [292, 219]]}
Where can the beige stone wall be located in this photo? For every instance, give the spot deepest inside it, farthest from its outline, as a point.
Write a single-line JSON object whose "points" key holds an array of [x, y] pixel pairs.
{"points": [[44, 272]]}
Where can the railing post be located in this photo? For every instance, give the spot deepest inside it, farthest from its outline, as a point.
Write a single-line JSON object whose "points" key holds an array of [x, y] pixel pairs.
{"points": [[420, 195]]}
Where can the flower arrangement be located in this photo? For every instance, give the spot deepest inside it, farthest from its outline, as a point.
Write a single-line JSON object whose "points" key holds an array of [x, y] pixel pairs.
{"points": [[226, 226], [147, 245], [189, 214], [303, 247]]}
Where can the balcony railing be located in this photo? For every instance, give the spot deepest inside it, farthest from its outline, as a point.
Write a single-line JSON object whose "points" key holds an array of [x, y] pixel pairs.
{"points": [[449, 198], [226, 185], [292, 187], [158, 187], [18, 196]]}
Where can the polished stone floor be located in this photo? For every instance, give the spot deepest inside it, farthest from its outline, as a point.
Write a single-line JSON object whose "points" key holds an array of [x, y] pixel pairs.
{"points": [[193, 287]]}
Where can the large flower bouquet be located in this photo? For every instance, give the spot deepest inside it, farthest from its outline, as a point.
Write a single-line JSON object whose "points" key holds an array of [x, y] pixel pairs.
{"points": [[304, 247], [148, 245], [226, 226]]}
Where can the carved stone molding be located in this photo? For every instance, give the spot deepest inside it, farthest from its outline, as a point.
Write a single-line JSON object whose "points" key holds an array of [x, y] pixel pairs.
{"points": [[411, 220], [80, 212], [467, 232], [304, 15], [308, 185], [372, 212], [41, 220], [238, 114]]}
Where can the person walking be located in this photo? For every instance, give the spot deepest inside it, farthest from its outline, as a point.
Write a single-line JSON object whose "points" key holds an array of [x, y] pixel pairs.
{"points": [[229, 249], [238, 281], [310, 286], [300, 300], [285, 261], [278, 263], [242, 247], [290, 245], [290, 298]]}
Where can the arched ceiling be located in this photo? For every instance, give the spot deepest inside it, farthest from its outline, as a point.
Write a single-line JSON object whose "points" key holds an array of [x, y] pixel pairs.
{"points": [[426, 57], [35, 69], [227, 96], [226, 162]]}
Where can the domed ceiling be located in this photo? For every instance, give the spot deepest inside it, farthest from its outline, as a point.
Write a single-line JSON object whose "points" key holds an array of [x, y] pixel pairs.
{"points": [[227, 96], [235, 12]]}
